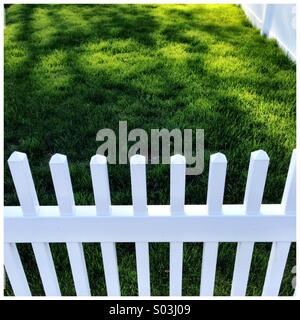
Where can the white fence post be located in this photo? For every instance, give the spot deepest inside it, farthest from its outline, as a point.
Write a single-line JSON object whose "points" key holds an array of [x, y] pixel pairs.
{"points": [[216, 183], [138, 185], [101, 189], [289, 195], [177, 197], [62, 184], [267, 19], [65, 199], [100, 182], [110, 265], [241, 268], [23, 181], [15, 271], [256, 180], [208, 269], [280, 250], [139, 201], [22, 177], [177, 184], [215, 194], [275, 270]]}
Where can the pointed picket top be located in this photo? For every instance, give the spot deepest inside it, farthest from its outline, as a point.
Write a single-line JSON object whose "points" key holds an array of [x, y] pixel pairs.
{"points": [[260, 155], [17, 156], [256, 179], [216, 183], [62, 184], [138, 184], [58, 158], [137, 159], [177, 184], [178, 159], [218, 158], [98, 159], [23, 181], [100, 181]]}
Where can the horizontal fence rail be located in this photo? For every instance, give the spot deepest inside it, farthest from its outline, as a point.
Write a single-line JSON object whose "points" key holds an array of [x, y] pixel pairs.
{"points": [[141, 223]]}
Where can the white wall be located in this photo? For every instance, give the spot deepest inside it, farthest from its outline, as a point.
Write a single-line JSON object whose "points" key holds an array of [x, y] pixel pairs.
{"points": [[275, 21]]}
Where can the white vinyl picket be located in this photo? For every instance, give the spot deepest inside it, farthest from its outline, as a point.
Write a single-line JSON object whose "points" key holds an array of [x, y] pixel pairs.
{"points": [[257, 173], [275, 270], [101, 189], [176, 260], [110, 265], [138, 185], [22, 178], [65, 198], [62, 184], [23, 181], [216, 183], [139, 202], [99, 172], [177, 184], [280, 250], [177, 199], [215, 194], [15, 271], [143, 268], [289, 195], [141, 223], [46, 268], [78, 267], [242, 268], [208, 268]]}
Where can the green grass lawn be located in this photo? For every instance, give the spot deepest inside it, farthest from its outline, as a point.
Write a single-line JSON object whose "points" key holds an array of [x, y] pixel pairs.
{"points": [[71, 70]]}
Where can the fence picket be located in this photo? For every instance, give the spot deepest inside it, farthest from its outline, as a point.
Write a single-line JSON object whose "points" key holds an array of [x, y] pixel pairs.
{"points": [[100, 182], [177, 199], [22, 178], [110, 265], [216, 183], [138, 185], [62, 184], [215, 194], [143, 268], [289, 194], [242, 268], [101, 189], [46, 268], [15, 271], [139, 201], [65, 199], [256, 180], [276, 266], [23, 181], [280, 250], [176, 261], [177, 184], [78, 267], [208, 270], [257, 174]]}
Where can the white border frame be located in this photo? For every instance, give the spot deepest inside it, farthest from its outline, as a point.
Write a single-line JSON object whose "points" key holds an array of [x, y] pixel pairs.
{"points": [[297, 296]]}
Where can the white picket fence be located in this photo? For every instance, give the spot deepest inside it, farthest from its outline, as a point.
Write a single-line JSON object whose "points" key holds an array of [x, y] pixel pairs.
{"points": [[276, 21], [141, 223]]}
